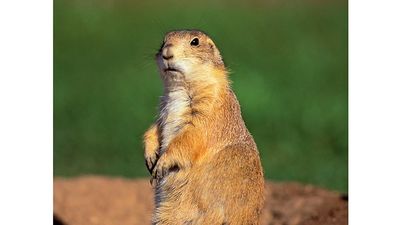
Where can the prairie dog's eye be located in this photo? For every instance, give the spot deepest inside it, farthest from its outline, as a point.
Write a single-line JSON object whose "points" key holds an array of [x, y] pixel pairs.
{"points": [[194, 42]]}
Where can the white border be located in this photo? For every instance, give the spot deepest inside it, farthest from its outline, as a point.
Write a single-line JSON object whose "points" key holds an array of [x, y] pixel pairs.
{"points": [[374, 129], [26, 112]]}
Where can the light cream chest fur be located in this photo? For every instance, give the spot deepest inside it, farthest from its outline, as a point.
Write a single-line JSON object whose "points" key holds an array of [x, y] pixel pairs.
{"points": [[174, 105]]}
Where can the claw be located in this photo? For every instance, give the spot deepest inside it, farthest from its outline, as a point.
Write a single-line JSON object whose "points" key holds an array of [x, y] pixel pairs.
{"points": [[162, 169], [153, 182], [151, 162], [158, 172]]}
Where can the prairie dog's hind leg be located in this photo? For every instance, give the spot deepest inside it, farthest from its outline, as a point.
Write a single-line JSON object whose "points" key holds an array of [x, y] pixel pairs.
{"points": [[234, 184]]}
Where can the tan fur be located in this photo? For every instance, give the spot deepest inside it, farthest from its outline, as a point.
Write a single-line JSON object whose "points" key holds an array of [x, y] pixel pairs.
{"points": [[203, 160]]}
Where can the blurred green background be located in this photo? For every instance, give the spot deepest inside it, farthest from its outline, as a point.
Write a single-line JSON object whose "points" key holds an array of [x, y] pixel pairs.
{"points": [[288, 63]]}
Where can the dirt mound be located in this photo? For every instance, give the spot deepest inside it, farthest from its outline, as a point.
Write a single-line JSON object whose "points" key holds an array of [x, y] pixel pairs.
{"points": [[117, 201]]}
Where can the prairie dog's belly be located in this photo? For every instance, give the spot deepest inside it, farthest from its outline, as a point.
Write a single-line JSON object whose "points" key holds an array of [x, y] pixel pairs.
{"points": [[174, 187], [174, 105], [181, 186]]}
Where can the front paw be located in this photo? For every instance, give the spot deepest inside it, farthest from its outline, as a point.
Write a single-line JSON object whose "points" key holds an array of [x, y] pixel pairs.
{"points": [[164, 166], [151, 160]]}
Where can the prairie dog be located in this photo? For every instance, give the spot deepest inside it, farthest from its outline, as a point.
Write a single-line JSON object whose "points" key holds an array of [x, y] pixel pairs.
{"points": [[204, 162]]}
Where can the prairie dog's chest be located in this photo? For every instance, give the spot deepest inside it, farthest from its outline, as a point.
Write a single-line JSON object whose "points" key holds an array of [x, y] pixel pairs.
{"points": [[174, 106]]}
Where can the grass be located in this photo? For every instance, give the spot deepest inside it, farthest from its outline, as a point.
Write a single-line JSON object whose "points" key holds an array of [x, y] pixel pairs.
{"points": [[288, 65]]}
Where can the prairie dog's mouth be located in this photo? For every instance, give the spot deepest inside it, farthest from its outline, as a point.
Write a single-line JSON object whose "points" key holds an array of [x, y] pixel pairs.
{"points": [[171, 69]]}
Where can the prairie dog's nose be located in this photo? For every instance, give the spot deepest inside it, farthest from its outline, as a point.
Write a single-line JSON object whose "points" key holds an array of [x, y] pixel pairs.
{"points": [[167, 52]]}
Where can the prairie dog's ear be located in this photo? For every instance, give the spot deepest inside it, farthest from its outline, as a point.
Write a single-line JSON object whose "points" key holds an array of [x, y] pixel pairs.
{"points": [[215, 52]]}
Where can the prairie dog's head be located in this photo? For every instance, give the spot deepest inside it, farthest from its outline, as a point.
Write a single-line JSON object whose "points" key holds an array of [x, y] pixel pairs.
{"points": [[188, 55]]}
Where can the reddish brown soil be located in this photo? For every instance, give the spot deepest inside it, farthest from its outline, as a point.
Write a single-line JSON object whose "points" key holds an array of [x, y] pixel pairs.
{"points": [[118, 201]]}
